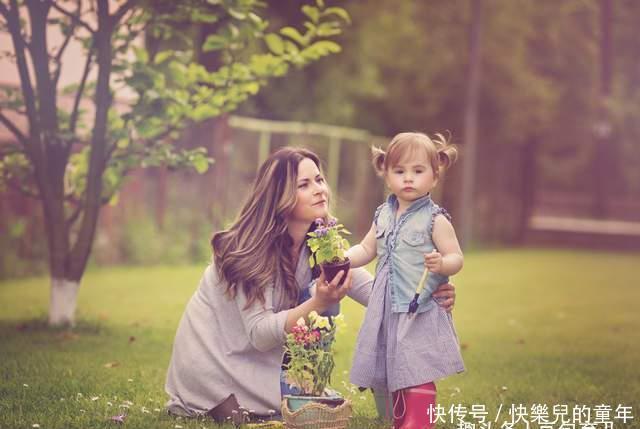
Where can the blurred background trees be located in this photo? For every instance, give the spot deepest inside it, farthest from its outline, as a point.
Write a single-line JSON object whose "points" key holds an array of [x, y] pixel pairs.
{"points": [[558, 128]]}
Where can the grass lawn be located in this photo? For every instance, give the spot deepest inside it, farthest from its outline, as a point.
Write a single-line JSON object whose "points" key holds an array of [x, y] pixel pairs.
{"points": [[536, 327]]}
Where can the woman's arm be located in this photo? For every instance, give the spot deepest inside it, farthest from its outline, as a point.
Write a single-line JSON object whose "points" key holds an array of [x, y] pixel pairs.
{"points": [[448, 259], [365, 252], [267, 328], [326, 294]]}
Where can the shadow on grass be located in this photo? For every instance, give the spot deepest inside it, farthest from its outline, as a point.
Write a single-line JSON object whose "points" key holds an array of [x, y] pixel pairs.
{"points": [[40, 326]]}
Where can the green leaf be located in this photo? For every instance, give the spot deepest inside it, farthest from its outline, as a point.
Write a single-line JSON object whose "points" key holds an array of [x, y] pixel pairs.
{"points": [[201, 164], [312, 261], [325, 47], [339, 12], [141, 54], [312, 12], [214, 42], [237, 14], [294, 35], [162, 56], [275, 43], [328, 30]]}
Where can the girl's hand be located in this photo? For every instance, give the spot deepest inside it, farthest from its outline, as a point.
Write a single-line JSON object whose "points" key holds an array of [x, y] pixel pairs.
{"points": [[433, 261], [446, 294], [328, 293]]}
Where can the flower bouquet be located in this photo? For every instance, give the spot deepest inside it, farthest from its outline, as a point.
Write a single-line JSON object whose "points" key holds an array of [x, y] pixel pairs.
{"points": [[328, 247], [308, 371]]}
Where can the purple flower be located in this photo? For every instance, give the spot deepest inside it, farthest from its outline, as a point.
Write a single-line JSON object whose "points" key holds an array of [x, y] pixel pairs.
{"points": [[119, 418], [319, 221], [332, 222], [321, 232]]}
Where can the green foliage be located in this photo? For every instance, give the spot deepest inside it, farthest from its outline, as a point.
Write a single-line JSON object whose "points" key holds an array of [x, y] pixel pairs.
{"points": [[326, 242], [309, 348], [169, 84]]}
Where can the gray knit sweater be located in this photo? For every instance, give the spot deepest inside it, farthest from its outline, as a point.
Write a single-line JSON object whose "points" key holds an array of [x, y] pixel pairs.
{"points": [[222, 348]]}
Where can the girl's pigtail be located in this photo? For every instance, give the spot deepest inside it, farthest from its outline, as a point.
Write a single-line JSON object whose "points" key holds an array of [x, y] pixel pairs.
{"points": [[447, 153], [377, 159]]}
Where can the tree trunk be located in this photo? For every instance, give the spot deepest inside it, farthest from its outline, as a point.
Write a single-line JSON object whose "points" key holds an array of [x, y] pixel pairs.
{"points": [[470, 133], [62, 303]]}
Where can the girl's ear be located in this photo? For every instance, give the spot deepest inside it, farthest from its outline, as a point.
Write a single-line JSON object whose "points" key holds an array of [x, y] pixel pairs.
{"points": [[445, 161]]}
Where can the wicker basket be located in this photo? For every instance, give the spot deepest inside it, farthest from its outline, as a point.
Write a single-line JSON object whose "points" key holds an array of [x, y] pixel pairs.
{"points": [[314, 415]]}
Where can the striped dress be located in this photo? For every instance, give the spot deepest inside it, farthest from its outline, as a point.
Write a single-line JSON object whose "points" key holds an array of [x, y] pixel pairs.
{"points": [[397, 350]]}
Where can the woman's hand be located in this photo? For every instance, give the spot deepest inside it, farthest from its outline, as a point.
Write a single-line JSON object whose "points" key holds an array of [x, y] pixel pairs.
{"points": [[329, 293], [447, 294]]}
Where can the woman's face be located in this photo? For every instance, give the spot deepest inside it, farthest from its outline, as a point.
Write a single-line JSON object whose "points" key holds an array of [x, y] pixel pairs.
{"points": [[312, 195]]}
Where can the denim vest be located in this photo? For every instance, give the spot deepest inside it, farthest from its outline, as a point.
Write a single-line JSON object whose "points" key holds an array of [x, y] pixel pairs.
{"points": [[403, 242]]}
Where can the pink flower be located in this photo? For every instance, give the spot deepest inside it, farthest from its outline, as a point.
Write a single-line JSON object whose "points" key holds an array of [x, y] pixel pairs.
{"points": [[119, 418]]}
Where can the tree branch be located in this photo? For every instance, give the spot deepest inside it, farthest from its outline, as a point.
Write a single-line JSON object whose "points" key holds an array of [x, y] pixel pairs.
{"points": [[4, 11], [122, 10], [76, 103], [13, 22], [12, 127], [58, 55], [74, 18]]}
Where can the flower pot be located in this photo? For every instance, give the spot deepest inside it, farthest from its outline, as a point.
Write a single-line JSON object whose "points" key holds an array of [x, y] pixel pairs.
{"points": [[316, 412], [331, 269]]}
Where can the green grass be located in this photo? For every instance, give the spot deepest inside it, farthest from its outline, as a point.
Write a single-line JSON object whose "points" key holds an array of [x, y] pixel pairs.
{"points": [[536, 326]]}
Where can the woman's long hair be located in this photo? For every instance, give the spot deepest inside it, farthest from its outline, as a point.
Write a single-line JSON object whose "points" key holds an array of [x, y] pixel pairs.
{"points": [[255, 251]]}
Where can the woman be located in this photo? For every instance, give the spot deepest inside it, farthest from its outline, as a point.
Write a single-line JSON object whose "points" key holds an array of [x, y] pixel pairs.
{"points": [[229, 345]]}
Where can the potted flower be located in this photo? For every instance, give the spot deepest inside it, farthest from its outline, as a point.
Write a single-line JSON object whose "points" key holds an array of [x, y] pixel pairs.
{"points": [[308, 371], [328, 247]]}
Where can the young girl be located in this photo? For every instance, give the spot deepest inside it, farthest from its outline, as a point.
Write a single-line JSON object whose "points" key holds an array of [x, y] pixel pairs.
{"points": [[400, 347]]}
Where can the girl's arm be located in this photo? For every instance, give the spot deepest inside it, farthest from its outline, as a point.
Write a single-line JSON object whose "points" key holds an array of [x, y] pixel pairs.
{"points": [[448, 260], [365, 252]]}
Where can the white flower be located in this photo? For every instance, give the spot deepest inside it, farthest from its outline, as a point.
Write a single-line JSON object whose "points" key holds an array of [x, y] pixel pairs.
{"points": [[26, 385], [130, 380], [301, 322], [178, 427], [157, 410], [95, 398], [35, 425]]}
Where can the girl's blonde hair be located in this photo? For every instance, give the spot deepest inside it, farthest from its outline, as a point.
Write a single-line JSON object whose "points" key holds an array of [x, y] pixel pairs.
{"points": [[255, 252], [440, 153]]}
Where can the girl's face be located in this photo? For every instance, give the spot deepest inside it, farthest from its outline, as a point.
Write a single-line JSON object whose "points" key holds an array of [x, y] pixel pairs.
{"points": [[411, 178], [312, 196]]}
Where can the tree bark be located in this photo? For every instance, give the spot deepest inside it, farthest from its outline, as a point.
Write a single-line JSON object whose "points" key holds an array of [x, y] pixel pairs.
{"points": [[62, 303], [97, 161]]}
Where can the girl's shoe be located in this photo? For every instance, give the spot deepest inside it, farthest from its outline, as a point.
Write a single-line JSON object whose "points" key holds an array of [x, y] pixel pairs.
{"points": [[419, 403]]}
